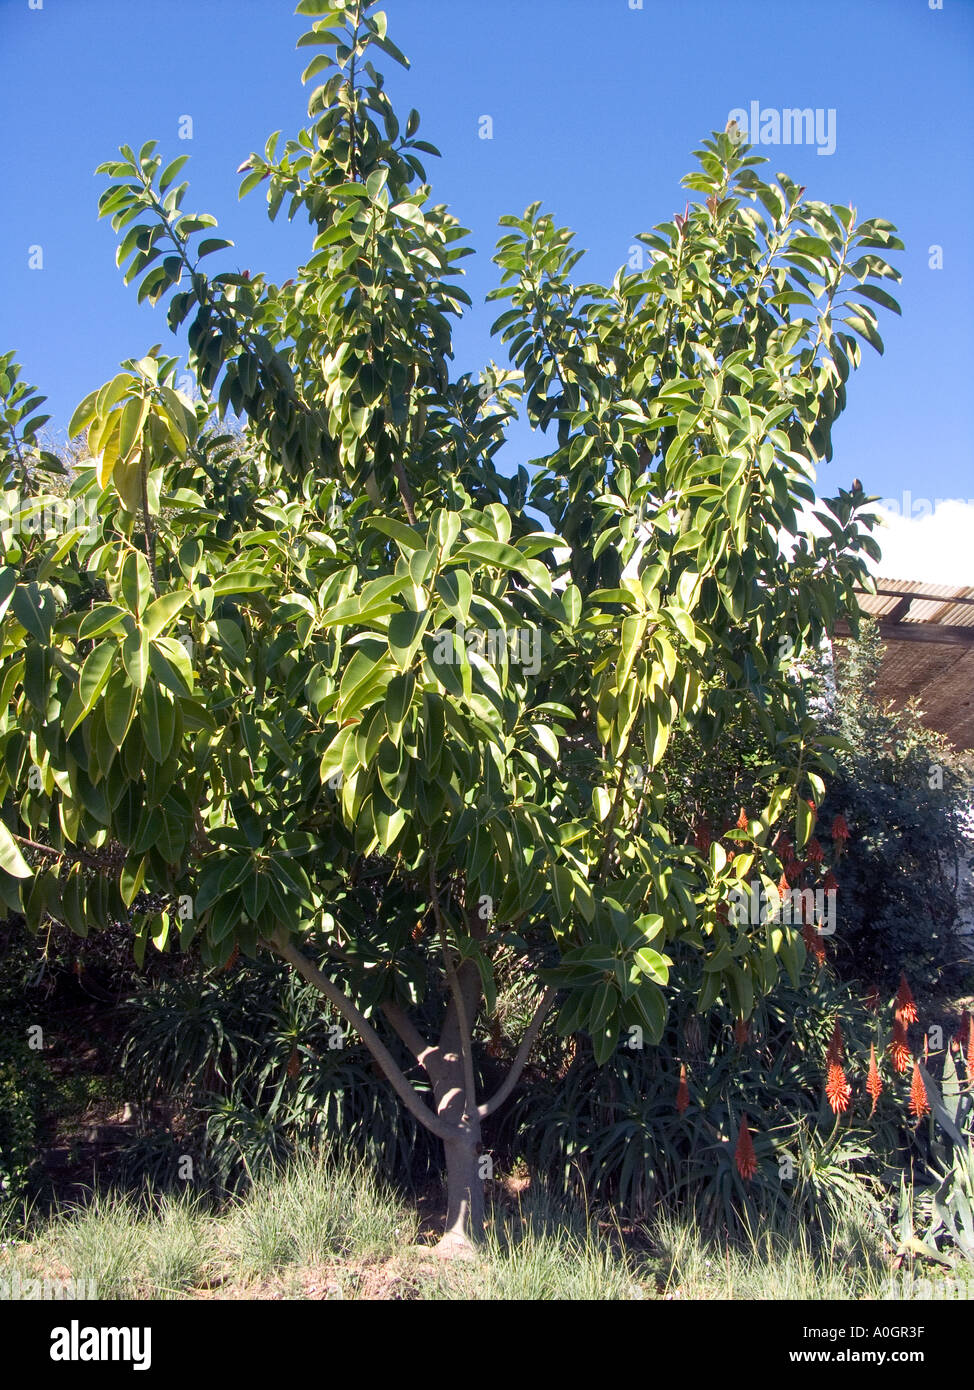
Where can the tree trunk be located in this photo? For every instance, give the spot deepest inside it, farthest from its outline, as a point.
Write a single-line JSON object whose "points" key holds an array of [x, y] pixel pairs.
{"points": [[449, 1066], [464, 1185], [464, 1194]]}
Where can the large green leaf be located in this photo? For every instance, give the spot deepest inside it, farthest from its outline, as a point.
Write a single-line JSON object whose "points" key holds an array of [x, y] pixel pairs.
{"points": [[405, 634], [35, 609], [120, 698], [162, 610], [94, 677], [136, 581], [505, 557], [11, 859]]}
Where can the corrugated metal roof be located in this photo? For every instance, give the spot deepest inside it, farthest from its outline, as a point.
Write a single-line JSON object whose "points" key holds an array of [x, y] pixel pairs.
{"points": [[928, 640], [913, 601]]}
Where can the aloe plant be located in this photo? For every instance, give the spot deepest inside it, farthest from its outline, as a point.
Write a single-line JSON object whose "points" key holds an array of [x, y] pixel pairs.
{"points": [[953, 1159]]}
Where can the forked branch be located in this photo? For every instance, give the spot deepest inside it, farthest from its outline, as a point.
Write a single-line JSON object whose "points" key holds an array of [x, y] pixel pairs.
{"points": [[370, 1037], [523, 1052]]}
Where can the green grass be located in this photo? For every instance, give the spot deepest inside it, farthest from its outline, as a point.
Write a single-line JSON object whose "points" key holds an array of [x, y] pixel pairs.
{"points": [[777, 1264], [314, 1214], [128, 1249], [324, 1230]]}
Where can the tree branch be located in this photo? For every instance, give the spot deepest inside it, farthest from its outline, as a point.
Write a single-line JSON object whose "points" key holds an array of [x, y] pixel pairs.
{"points": [[464, 1023], [370, 1037], [407, 1032], [43, 849], [405, 491], [523, 1052]]}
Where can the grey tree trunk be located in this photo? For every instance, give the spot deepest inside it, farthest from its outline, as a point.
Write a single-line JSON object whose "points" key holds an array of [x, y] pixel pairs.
{"points": [[449, 1066], [464, 1184], [464, 1193]]}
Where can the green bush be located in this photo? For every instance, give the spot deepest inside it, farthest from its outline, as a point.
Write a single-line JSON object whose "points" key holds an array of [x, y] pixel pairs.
{"points": [[907, 798], [261, 1072], [24, 1079], [23, 1086], [616, 1133]]}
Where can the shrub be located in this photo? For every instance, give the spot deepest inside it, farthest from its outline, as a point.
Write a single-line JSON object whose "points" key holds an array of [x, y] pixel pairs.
{"points": [[622, 1134], [23, 1087], [260, 1071], [24, 1079], [907, 797]]}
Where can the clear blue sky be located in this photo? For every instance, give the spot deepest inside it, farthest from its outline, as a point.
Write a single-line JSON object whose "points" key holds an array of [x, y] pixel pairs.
{"points": [[596, 108]]}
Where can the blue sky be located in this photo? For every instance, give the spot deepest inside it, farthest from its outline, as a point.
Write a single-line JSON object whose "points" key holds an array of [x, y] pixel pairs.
{"points": [[596, 108]]}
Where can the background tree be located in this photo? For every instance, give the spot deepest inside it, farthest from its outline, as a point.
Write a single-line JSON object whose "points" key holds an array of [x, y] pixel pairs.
{"points": [[341, 695], [907, 797]]}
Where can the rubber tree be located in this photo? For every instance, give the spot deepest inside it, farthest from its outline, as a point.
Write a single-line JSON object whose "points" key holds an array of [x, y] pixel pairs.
{"points": [[341, 687]]}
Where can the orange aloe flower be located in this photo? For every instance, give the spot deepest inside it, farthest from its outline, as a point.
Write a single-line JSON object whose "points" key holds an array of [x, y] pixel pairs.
{"points": [[831, 883], [899, 1048], [741, 1030], [744, 1155], [834, 1054], [874, 1084], [837, 1088], [682, 1091], [814, 852], [919, 1105], [906, 1009], [742, 820], [840, 829]]}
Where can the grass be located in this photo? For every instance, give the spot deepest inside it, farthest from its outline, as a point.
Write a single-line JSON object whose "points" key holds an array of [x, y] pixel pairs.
{"points": [[326, 1231], [778, 1264]]}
